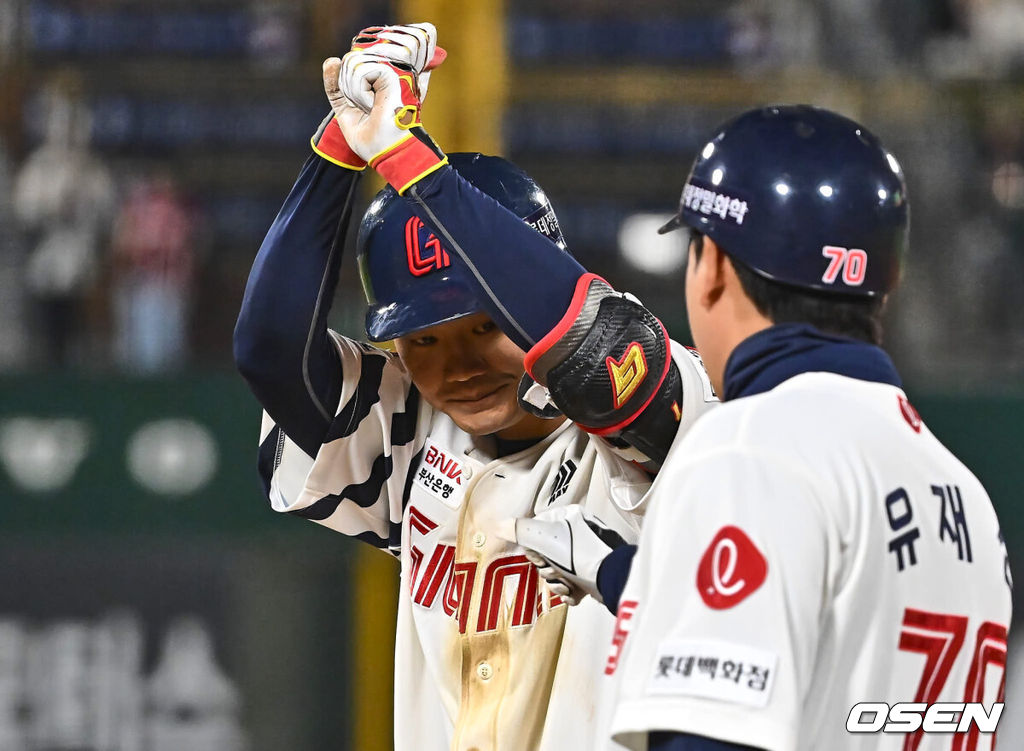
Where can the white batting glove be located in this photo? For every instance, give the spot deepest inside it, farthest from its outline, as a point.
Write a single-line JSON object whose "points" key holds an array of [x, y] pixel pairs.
{"points": [[412, 47], [389, 137], [394, 105], [568, 546]]}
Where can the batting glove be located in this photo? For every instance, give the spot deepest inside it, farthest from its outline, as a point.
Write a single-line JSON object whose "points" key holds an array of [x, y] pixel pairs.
{"points": [[389, 136], [567, 546], [411, 48]]}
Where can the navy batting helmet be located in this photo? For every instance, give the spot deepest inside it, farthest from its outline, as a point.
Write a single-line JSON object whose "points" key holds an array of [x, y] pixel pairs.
{"points": [[411, 281], [802, 196]]}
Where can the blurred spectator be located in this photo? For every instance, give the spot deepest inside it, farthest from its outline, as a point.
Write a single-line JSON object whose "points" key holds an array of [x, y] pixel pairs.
{"points": [[986, 39], [153, 264], [958, 309], [274, 38], [63, 199], [996, 28], [856, 39], [750, 36], [984, 295], [13, 338], [780, 35], [9, 12]]}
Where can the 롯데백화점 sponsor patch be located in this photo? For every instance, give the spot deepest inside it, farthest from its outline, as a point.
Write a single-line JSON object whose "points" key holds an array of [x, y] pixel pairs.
{"points": [[713, 670]]}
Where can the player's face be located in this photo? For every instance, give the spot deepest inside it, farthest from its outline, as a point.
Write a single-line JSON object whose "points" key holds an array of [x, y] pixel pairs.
{"points": [[470, 371]]}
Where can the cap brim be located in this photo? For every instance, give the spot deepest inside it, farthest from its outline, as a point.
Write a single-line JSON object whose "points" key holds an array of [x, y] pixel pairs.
{"points": [[672, 224]]}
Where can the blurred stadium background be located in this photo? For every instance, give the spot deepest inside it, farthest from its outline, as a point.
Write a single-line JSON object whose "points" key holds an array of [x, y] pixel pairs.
{"points": [[149, 599]]}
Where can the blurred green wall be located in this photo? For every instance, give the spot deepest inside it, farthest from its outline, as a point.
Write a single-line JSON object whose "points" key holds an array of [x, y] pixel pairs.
{"points": [[131, 516], [177, 456]]}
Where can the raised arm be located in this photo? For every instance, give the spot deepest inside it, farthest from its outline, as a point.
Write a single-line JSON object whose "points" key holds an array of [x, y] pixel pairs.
{"points": [[605, 359], [281, 343]]}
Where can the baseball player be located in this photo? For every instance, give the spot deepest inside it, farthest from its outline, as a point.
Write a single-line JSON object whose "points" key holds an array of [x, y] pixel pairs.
{"points": [[425, 452], [809, 546]]}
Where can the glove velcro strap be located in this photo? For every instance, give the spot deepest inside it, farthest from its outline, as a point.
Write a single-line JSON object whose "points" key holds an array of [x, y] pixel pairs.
{"points": [[410, 160], [330, 143]]}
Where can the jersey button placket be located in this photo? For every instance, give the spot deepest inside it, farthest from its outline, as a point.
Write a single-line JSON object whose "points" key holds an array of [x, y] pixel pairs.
{"points": [[484, 671]]}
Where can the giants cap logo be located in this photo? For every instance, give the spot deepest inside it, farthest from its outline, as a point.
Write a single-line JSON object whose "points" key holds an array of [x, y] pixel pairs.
{"points": [[426, 257], [731, 569]]}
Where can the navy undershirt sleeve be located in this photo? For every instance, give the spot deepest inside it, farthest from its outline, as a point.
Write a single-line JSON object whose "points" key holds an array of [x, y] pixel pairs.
{"points": [[524, 280], [669, 741], [612, 575], [281, 343]]}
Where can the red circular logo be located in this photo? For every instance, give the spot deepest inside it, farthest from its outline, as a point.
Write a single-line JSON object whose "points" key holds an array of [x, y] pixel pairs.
{"points": [[731, 569], [909, 413]]}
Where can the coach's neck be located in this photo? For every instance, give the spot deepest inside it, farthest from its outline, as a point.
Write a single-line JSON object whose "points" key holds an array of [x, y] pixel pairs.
{"points": [[720, 313]]}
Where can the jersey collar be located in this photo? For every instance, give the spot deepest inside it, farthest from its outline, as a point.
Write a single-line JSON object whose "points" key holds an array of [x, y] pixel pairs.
{"points": [[763, 361]]}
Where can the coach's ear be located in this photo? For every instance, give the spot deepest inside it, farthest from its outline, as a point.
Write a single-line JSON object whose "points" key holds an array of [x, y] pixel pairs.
{"points": [[710, 271]]}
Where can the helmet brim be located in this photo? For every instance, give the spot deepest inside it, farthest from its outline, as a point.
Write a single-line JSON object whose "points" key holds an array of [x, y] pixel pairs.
{"points": [[397, 319], [671, 225]]}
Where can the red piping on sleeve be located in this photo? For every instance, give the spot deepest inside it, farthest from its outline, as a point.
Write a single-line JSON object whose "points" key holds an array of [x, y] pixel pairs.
{"points": [[579, 297]]}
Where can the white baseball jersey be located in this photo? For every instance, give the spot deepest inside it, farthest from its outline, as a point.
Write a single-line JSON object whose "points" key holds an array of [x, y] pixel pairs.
{"points": [[486, 657], [805, 550]]}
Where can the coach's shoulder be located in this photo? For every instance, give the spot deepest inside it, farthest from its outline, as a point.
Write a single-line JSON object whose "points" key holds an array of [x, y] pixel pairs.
{"points": [[714, 430], [772, 417]]}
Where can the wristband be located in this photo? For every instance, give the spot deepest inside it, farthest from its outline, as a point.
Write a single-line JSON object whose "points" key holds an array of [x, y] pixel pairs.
{"points": [[329, 142], [405, 163]]}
